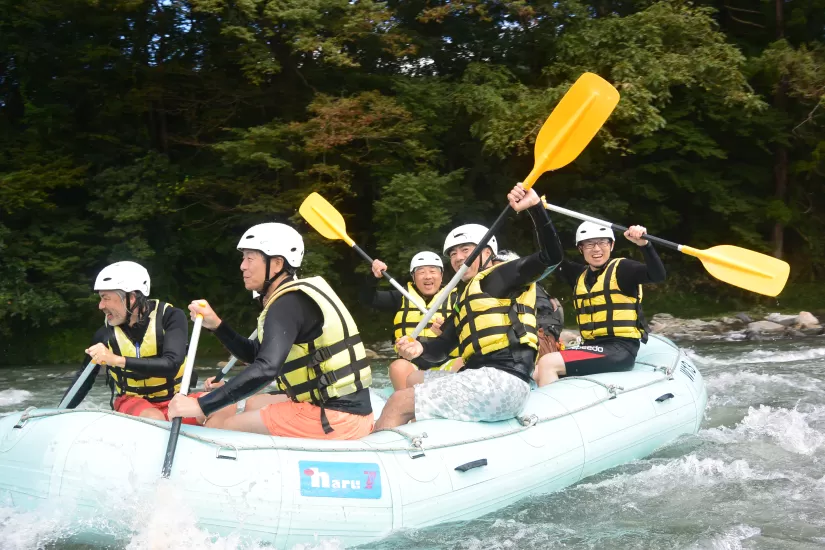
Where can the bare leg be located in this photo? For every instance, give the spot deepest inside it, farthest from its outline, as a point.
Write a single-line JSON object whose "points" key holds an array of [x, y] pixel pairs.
{"points": [[415, 377], [400, 369], [224, 417], [400, 409], [152, 413], [549, 368]]}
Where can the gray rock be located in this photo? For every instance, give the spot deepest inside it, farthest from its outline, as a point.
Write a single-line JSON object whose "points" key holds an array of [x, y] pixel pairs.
{"points": [[371, 354], [793, 333], [765, 327], [661, 317], [805, 319], [812, 331], [785, 320], [732, 321], [744, 317], [754, 336]]}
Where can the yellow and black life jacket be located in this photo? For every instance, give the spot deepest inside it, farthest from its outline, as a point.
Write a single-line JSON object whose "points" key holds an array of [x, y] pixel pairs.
{"points": [[607, 311], [128, 382], [408, 316], [485, 324], [334, 364]]}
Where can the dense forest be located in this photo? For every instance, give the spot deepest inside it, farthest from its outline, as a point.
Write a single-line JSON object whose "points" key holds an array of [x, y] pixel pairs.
{"points": [[158, 131]]}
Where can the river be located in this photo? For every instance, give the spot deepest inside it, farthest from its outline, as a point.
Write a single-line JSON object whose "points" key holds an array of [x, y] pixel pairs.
{"points": [[753, 477]]}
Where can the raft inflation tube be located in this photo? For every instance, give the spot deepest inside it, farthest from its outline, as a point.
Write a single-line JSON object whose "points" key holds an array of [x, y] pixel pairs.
{"points": [[104, 465]]}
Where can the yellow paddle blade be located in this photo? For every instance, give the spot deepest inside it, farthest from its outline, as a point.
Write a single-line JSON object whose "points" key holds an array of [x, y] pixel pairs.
{"points": [[572, 124], [324, 218], [744, 268]]}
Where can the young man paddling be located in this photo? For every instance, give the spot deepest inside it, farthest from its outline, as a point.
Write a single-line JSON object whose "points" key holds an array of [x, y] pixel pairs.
{"points": [[307, 342], [426, 270], [142, 345], [607, 296], [494, 328]]}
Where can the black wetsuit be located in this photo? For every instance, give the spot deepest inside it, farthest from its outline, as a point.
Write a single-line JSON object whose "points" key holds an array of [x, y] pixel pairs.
{"points": [[293, 318]]}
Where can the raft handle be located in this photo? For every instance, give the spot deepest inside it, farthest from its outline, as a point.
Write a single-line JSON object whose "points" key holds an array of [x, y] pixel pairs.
{"points": [[224, 453], [470, 465], [664, 397]]}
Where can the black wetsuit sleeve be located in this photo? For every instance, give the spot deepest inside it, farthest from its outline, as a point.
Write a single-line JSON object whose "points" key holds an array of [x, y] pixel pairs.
{"points": [[630, 273], [175, 336], [292, 317], [514, 275], [100, 337], [237, 344], [437, 350], [381, 300], [569, 272]]}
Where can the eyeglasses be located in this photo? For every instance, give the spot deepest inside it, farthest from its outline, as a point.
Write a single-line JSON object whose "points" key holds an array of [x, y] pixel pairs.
{"points": [[591, 244]]}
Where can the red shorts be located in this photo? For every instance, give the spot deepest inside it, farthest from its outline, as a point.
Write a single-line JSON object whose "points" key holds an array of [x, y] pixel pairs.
{"points": [[290, 419], [134, 405]]}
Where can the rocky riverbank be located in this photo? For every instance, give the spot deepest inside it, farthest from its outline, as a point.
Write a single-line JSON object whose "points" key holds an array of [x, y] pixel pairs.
{"points": [[741, 326]]}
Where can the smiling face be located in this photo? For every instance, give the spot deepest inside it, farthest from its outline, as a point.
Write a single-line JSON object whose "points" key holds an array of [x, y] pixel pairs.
{"points": [[112, 306], [427, 280], [460, 252], [596, 252], [253, 269]]}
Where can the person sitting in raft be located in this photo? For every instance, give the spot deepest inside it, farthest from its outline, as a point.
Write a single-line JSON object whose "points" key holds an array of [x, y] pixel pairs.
{"points": [[607, 296], [141, 346], [549, 313], [426, 270], [307, 341], [494, 327]]}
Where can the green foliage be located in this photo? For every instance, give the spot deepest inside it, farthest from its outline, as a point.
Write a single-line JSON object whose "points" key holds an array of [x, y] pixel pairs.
{"points": [[159, 132]]}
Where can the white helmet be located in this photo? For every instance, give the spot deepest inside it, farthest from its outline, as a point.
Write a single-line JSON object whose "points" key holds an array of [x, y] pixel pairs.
{"points": [[506, 256], [426, 258], [590, 230], [469, 233], [125, 276], [275, 239]]}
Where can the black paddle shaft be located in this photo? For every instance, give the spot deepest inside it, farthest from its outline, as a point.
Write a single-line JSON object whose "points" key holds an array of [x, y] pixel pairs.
{"points": [[370, 260], [487, 236], [218, 377], [651, 238], [170, 448]]}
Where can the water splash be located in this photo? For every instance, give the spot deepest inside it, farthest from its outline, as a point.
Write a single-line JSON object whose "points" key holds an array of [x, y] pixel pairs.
{"points": [[13, 396], [758, 356], [789, 428]]}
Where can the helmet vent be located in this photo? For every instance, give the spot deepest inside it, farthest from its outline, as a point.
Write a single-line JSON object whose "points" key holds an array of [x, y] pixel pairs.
{"points": [[293, 249], [250, 237], [107, 279]]}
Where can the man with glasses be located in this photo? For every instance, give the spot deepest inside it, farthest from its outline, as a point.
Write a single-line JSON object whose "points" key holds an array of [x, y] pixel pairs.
{"points": [[607, 297]]}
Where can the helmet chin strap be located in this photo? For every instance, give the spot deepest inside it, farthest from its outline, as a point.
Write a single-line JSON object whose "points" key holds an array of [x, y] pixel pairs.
{"points": [[267, 279]]}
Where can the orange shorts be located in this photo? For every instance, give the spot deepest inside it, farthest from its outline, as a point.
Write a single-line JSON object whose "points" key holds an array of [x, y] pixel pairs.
{"points": [[290, 419], [134, 405]]}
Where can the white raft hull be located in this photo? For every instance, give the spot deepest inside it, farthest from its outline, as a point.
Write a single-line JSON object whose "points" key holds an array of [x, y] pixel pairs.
{"points": [[290, 491]]}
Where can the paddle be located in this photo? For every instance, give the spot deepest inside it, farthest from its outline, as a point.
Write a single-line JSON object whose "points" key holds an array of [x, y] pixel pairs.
{"points": [[737, 266], [232, 360], [76, 386], [184, 390], [326, 220], [564, 135]]}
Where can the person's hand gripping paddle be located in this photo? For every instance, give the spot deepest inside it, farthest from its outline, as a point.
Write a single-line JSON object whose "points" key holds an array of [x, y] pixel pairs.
{"points": [[566, 132]]}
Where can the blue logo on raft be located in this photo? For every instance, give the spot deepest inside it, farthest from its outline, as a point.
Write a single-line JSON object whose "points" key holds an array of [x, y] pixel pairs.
{"points": [[340, 479]]}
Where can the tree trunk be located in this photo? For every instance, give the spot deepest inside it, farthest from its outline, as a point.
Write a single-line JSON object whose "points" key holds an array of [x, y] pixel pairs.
{"points": [[780, 169]]}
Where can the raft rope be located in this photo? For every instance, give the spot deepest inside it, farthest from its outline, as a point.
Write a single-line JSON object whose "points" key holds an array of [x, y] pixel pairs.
{"points": [[416, 445]]}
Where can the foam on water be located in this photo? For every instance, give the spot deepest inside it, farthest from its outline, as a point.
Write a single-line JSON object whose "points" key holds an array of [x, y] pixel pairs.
{"points": [[12, 396], [758, 356], [789, 428], [731, 539]]}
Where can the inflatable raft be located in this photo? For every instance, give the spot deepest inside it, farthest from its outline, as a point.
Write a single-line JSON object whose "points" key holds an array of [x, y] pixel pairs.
{"points": [[289, 491]]}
